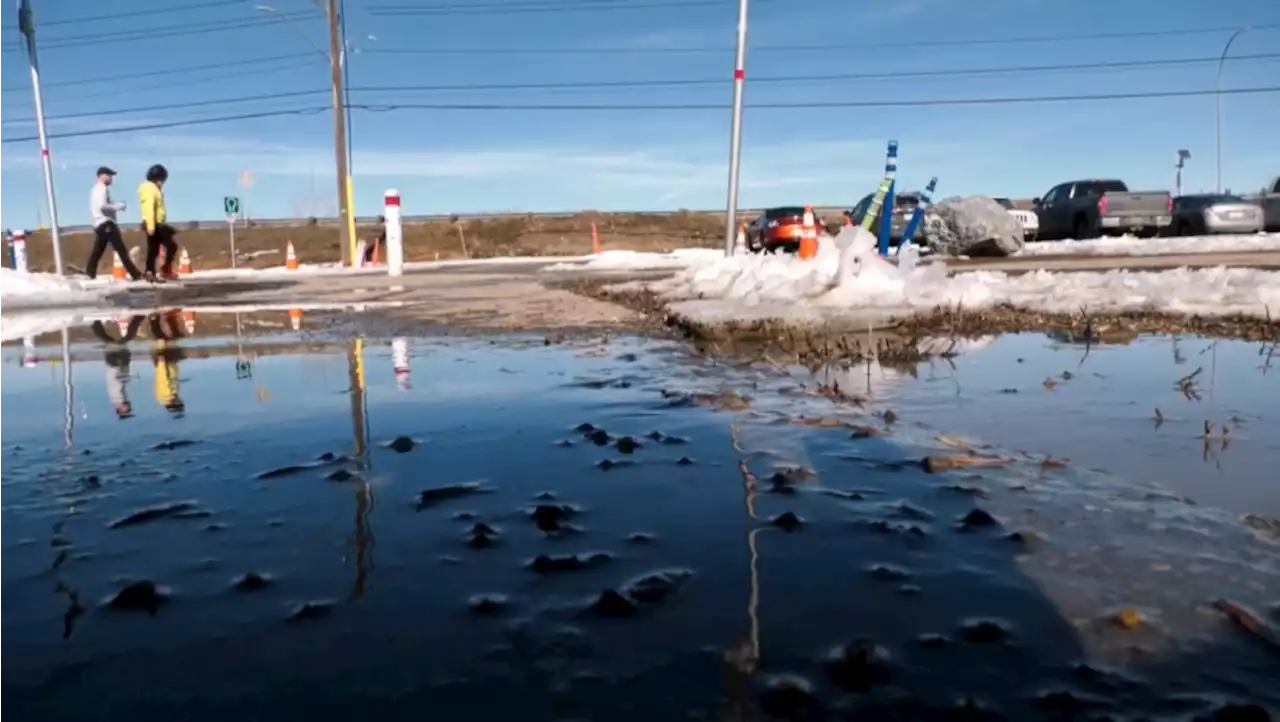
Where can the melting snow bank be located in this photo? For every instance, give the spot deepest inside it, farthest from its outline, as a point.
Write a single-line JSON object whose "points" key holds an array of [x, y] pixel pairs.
{"points": [[640, 261], [1133, 246], [43, 290], [849, 282]]}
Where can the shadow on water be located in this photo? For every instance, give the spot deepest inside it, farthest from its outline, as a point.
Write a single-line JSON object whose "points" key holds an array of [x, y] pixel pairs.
{"points": [[502, 529]]}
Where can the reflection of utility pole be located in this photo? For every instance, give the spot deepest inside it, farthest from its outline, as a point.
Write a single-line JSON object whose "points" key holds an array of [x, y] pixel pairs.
{"points": [[355, 388], [67, 390], [362, 538]]}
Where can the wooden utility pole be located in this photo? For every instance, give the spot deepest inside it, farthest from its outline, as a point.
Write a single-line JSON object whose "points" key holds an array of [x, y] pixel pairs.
{"points": [[336, 61]]}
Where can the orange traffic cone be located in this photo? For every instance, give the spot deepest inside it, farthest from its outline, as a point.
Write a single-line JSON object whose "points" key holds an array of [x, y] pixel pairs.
{"points": [[122, 325], [740, 243], [295, 315], [117, 267], [188, 317], [290, 257], [595, 238], [184, 261], [809, 239]]}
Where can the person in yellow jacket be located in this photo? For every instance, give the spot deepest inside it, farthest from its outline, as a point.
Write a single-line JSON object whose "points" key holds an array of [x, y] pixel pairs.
{"points": [[155, 224]]}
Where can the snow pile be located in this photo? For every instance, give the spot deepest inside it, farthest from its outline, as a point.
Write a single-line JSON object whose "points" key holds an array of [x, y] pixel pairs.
{"points": [[848, 281], [639, 261], [42, 290], [1131, 245]]}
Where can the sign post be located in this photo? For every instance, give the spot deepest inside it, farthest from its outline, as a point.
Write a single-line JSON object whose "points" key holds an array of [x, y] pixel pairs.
{"points": [[231, 206]]}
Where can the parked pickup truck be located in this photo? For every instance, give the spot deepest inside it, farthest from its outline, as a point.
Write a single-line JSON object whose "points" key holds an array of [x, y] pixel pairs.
{"points": [[1090, 208], [1270, 202]]}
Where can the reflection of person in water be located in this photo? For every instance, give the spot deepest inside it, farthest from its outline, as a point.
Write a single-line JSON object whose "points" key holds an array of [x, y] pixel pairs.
{"points": [[166, 354], [117, 358]]}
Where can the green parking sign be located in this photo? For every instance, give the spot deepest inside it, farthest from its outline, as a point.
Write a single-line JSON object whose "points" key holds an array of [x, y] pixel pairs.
{"points": [[231, 205]]}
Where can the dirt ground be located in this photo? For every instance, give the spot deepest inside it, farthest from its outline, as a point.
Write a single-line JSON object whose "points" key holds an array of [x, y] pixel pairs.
{"points": [[263, 246]]}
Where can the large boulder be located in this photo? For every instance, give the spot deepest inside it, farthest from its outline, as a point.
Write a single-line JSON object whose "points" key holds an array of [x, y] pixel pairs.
{"points": [[972, 226]]}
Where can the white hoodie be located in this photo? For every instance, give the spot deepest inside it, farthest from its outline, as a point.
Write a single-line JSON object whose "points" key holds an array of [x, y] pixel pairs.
{"points": [[101, 207]]}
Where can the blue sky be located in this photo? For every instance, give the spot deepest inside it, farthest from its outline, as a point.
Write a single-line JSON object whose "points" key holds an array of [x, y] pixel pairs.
{"points": [[466, 161]]}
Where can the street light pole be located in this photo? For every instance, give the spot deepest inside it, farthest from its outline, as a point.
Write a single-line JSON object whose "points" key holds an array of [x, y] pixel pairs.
{"points": [[735, 137], [1218, 95], [26, 25]]}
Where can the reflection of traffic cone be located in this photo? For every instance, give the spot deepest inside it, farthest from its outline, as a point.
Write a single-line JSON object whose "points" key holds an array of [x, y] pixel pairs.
{"points": [[28, 351], [189, 318], [117, 268], [740, 243], [595, 238], [184, 261], [809, 239], [122, 324], [290, 257], [295, 318]]}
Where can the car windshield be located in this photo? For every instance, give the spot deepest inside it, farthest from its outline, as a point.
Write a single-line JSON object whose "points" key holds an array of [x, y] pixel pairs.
{"points": [[1005, 203], [778, 214]]}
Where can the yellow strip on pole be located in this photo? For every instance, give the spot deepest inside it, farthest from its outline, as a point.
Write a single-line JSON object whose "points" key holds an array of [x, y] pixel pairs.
{"points": [[351, 223]]}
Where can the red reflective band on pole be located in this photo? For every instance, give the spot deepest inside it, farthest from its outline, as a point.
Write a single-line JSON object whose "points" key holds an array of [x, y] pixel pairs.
{"points": [[393, 201], [739, 74], [44, 152]]}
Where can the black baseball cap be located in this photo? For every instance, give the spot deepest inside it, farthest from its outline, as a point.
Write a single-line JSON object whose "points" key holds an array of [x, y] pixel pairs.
{"points": [[103, 169]]}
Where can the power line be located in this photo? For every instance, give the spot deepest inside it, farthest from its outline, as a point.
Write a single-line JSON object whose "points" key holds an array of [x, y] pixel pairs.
{"points": [[163, 31], [813, 47], [136, 13], [174, 106], [165, 71], [954, 72], [571, 6], [811, 105], [178, 123], [806, 107]]}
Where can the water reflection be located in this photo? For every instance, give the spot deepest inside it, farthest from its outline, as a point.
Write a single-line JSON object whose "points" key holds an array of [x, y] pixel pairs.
{"points": [[319, 524]]}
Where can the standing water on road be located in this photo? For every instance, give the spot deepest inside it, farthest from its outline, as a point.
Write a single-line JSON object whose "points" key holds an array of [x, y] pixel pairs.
{"points": [[509, 528]]}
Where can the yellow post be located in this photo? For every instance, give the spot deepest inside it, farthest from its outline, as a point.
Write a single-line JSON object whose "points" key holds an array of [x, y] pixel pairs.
{"points": [[351, 223]]}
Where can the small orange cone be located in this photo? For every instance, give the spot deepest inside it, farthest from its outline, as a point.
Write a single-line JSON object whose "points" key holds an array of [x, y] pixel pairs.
{"points": [[188, 317], [595, 238], [809, 241], [117, 267], [184, 261], [295, 315], [122, 324], [290, 257], [740, 243]]}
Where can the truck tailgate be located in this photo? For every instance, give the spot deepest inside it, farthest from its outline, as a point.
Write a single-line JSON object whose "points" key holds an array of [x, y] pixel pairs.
{"points": [[1150, 203]]}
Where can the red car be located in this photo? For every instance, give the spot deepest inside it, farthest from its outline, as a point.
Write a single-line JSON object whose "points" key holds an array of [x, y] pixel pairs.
{"points": [[778, 229]]}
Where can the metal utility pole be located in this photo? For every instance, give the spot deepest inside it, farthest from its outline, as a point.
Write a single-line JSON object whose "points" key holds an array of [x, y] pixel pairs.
{"points": [[28, 29], [336, 52], [735, 138], [1218, 95]]}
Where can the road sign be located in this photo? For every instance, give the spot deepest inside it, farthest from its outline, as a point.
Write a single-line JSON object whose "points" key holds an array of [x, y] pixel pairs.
{"points": [[231, 205], [245, 180]]}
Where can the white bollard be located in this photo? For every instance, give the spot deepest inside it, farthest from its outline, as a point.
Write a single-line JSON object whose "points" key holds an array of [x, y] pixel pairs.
{"points": [[361, 246], [28, 351], [19, 250], [395, 234], [400, 362]]}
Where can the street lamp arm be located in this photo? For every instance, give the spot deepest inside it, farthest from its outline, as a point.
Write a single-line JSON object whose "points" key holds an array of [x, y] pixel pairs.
{"points": [[1222, 59]]}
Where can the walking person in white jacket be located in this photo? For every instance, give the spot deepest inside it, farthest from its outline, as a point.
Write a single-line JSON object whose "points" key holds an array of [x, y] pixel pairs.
{"points": [[105, 229]]}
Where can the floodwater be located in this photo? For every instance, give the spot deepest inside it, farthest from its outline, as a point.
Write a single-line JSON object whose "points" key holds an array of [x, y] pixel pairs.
{"points": [[313, 527]]}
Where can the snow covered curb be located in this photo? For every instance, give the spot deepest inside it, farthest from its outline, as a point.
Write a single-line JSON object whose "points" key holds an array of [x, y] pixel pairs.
{"points": [[44, 290], [1133, 246], [849, 285]]}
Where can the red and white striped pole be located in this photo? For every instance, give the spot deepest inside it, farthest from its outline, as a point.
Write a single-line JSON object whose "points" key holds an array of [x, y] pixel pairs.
{"points": [[735, 137], [395, 233]]}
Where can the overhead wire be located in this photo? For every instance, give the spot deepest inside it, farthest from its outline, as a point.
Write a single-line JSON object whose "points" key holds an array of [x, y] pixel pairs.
{"points": [[821, 47], [831, 77], [164, 32], [672, 107], [569, 6], [108, 113], [149, 12], [163, 71]]}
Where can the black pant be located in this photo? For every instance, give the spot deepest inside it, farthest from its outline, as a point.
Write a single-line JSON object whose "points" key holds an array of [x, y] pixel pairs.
{"points": [[109, 233], [161, 236]]}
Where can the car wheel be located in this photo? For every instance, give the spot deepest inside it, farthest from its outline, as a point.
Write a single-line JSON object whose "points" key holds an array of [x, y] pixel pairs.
{"points": [[1082, 230]]}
